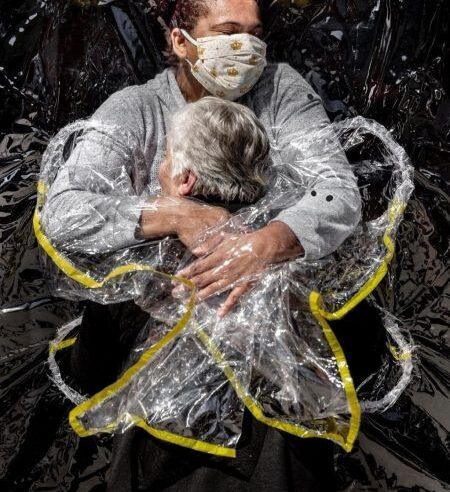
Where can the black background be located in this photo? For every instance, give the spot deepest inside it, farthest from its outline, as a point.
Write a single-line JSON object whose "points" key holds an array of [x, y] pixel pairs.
{"points": [[387, 60]]}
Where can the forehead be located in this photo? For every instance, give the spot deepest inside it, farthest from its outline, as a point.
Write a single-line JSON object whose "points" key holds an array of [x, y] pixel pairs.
{"points": [[243, 12]]}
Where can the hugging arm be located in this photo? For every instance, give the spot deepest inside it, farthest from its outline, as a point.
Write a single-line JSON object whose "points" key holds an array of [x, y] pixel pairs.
{"points": [[315, 226], [329, 210], [92, 205]]}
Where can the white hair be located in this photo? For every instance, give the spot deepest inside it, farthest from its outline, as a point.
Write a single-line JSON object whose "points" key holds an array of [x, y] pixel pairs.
{"points": [[225, 146]]}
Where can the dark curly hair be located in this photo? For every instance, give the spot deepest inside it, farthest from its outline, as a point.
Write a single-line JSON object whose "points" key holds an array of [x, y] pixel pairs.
{"points": [[181, 13], [187, 13]]}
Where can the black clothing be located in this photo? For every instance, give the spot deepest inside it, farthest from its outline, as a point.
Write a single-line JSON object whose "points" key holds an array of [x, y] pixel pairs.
{"points": [[267, 459]]}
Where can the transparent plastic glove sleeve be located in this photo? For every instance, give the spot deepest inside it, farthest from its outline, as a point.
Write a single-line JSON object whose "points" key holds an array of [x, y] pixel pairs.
{"points": [[276, 354]]}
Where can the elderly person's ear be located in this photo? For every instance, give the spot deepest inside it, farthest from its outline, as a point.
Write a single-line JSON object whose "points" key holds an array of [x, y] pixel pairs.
{"points": [[186, 182]]}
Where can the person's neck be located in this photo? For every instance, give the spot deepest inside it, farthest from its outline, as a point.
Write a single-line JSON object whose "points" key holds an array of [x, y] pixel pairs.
{"points": [[215, 201], [191, 89]]}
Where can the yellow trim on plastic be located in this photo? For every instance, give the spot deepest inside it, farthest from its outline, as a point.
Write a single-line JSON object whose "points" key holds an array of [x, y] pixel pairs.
{"points": [[86, 280], [395, 209], [103, 395], [72, 271], [399, 356], [296, 429], [54, 347], [253, 406], [349, 388], [321, 315], [188, 442]]}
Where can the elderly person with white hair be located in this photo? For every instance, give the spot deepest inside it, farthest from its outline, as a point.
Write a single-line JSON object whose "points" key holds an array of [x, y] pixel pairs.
{"points": [[217, 151]]}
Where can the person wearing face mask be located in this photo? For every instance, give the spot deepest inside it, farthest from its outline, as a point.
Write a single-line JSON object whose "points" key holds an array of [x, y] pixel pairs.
{"points": [[227, 68], [218, 49]]}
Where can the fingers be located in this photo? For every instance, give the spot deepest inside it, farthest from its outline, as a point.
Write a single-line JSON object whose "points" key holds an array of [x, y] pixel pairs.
{"points": [[207, 246], [213, 289], [233, 299], [208, 278], [201, 266], [201, 272]]}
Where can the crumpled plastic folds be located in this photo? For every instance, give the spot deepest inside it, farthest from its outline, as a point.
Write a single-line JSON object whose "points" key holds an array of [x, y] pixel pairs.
{"points": [[191, 379]]}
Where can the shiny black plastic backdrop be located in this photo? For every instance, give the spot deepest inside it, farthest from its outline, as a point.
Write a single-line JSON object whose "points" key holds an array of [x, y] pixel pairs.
{"points": [[386, 59]]}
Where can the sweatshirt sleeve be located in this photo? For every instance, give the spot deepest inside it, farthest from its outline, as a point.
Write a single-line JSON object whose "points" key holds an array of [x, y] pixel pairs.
{"points": [[92, 206], [330, 207]]}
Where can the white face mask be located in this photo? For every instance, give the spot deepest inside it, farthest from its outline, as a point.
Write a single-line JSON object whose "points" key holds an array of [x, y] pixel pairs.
{"points": [[228, 66]]}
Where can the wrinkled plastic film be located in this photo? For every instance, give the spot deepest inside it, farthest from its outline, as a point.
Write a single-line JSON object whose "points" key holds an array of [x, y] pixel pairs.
{"points": [[272, 354], [383, 60], [59, 343], [403, 351]]}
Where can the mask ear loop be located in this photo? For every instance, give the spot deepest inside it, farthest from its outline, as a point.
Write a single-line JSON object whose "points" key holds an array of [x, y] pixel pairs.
{"points": [[193, 42], [189, 37]]}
